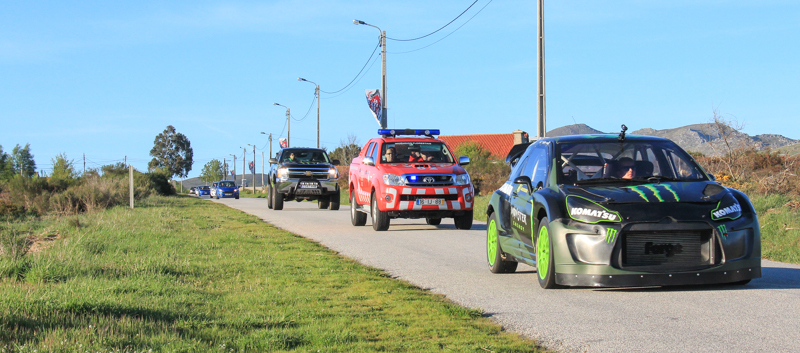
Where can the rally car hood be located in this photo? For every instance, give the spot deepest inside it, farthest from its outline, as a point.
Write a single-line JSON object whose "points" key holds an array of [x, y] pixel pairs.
{"points": [[427, 168], [696, 191]]}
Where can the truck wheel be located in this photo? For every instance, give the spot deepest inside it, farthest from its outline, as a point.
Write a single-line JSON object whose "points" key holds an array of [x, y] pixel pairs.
{"points": [[545, 268], [277, 200], [269, 197], [335, 200], [323, 202], [494, 253], [465, 221], [433, 221], [356, 217], [380, 219]]}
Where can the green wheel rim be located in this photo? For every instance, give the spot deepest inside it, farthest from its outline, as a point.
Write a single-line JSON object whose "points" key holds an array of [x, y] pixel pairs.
{"points": [[543, 253], [491, 242]]}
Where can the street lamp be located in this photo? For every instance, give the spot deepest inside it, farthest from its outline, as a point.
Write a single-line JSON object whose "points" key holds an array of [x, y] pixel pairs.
{"points": [[288, 123], [383, 70], [244, 161], [316, 93], [254, 168], [234, 168]]}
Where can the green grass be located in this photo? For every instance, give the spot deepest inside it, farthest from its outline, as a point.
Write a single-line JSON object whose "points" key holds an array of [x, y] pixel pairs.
{"points": [[182, 274], [779, 217]]}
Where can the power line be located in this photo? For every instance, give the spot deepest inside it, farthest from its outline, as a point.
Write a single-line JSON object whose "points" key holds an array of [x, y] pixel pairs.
{"points": [[359, 80], [359, 72], [309, 110], [454, 31], [441, 28]]}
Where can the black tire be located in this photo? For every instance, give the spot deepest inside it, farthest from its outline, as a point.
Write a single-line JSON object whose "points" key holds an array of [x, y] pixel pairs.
{"points": [[357, 218], [323, 202], [237, 197], [380, 219], [433, 221], [277, 200], [463, 222], [269, 197], [336, 199], [495, 257], [545, 268]]}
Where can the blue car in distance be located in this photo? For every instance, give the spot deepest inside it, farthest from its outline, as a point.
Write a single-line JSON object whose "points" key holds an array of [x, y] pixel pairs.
{"points": [[203, 190], [226, 188]]}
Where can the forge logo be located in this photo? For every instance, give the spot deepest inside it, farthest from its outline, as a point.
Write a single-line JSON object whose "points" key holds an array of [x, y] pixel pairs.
{"points": [[667, 249]]}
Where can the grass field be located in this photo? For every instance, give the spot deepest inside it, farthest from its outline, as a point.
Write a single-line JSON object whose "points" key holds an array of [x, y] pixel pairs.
{"points": [[182, 274]]}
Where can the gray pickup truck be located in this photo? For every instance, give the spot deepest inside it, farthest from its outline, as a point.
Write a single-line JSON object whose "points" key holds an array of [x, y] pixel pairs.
{"points": [[303, 173]]}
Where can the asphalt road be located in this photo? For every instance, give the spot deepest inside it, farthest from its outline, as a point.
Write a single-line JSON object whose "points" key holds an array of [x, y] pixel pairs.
{"points": [[763, 316]]}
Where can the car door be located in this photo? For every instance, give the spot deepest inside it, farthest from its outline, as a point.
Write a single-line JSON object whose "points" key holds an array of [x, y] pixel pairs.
{"points": [[523, 224], [363, 182]]}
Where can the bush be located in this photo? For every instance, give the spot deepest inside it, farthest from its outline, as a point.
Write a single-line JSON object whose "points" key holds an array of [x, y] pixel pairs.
{"points": [[487, 173]]}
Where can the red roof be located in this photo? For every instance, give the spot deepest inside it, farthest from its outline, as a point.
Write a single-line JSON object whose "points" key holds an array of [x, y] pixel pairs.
{"points": [[497, 144]]}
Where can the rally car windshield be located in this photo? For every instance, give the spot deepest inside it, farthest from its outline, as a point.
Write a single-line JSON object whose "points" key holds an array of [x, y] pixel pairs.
{"points": [[305, 156], [630, 161], [415, 152]]}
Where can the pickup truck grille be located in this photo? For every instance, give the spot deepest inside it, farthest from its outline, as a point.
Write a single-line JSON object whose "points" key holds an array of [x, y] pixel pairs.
{"points": [[429, 180], [308, 172]]}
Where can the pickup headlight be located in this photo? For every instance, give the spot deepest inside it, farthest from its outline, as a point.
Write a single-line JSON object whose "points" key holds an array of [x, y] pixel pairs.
{"points": [[462, 179], [587, 211], [391, 179], [283, 174], [333, 173]]}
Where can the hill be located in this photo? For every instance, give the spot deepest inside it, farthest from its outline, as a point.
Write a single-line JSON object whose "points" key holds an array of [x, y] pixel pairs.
{"points": [[703, 138]]}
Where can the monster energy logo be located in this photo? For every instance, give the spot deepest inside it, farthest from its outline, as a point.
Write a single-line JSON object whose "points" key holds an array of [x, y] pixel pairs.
{"points": [[723, 230], [611, 234], [656, 191]]}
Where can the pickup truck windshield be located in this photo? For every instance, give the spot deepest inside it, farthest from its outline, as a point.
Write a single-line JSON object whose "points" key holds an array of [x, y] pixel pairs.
{"points": [[304, 156]]}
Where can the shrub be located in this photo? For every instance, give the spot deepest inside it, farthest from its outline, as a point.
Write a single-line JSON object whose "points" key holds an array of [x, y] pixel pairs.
{"points": [[487, 173]]}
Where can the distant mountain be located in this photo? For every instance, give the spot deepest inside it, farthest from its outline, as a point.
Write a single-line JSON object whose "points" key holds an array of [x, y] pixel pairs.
{"points": [[703, 138], [576, 129]]}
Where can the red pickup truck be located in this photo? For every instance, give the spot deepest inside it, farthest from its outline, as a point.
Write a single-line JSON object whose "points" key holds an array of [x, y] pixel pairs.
{"points": [[409, 174]]}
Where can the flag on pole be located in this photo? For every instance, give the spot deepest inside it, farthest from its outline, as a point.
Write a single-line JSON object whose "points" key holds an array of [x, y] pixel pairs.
{"points": [[252, 166], [282, 141], [374, 102]]}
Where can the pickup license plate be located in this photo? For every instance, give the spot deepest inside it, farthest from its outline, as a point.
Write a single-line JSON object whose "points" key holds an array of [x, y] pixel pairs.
{"points": [[423, 202], [309, 185]]}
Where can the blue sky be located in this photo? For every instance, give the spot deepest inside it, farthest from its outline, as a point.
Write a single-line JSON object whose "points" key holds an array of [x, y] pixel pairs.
{"points": [[104, 78]]}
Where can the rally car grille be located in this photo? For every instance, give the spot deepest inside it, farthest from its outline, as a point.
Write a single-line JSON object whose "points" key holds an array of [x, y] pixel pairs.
{"points": [[429, 180], [308, 172], [415, 197], [663, 251]]}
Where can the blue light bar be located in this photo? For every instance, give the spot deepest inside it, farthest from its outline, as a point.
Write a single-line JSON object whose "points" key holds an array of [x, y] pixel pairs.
{"points": [[418, 132]]}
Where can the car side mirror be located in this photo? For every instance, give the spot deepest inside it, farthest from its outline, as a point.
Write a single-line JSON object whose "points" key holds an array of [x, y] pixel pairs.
{"points": [[463, 160], [368, 161], [273, 161], [712, 176], [524, 180], [335, 162]]}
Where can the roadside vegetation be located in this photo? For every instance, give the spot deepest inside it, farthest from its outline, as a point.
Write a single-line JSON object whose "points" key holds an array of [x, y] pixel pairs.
{"points": [[182, 274]]}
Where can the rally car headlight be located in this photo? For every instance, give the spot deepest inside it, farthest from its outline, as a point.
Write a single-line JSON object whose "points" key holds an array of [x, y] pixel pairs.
{"points": [[727, 208], [391, 179], [333, 173], [585, 210], [462, 179], [283, 174]]}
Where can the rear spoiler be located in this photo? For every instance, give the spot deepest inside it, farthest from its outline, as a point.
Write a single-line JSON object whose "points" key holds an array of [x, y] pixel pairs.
{"points": [[513, 155]]}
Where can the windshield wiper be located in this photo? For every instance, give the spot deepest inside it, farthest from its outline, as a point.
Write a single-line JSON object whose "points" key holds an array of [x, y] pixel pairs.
{"points": [[656, 178], [602, 180]]}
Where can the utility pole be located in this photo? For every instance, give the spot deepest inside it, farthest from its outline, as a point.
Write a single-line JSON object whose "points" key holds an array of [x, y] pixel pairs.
{"points": [[130, 184], [316, 94], [84, 164], [254, 169], [224, 168], [262, 171], [540, 98], [288, 124], [270, 145], [234, 168]]}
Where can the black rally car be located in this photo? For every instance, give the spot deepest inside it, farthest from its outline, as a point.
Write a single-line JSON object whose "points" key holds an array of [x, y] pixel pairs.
{"points": [[617, 211]]}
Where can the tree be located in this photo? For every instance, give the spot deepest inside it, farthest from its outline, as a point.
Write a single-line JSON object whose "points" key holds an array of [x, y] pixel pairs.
{"points": [[6, 167], [487, 173], [63, 168], [347, 150], [118, 169], [212, 171], [22, 161], [172, 153]]}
